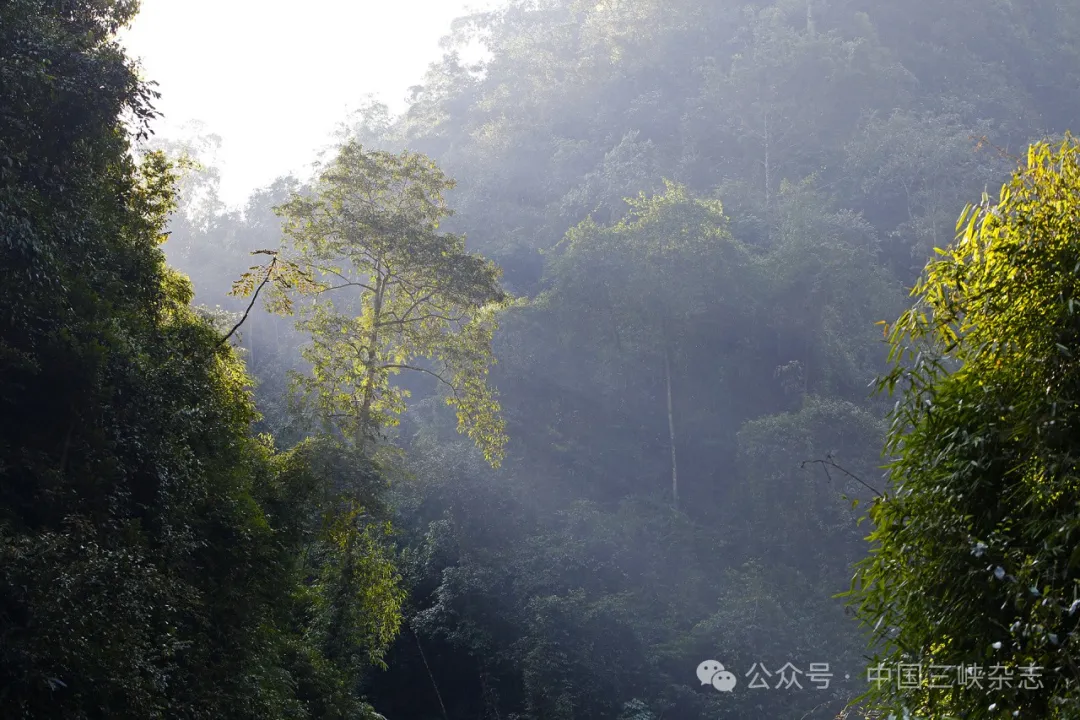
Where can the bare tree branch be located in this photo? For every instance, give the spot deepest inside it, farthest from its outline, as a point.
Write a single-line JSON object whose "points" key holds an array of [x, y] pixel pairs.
{"points": [[828, 462], [435, 375], [254, 297]]}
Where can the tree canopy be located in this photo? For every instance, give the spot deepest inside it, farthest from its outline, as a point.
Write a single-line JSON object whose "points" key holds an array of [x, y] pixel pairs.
{"points": [[370, 232]]}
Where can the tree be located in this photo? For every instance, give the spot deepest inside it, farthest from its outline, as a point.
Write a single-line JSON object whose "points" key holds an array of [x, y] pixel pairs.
{"points": [[199, 204], [912, 170], [670, 263], [627, 169], [385, 291], [781, 107], [974, 561]]}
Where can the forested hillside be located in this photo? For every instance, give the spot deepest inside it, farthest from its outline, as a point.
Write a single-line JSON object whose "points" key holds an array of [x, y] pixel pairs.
{"points": [[557, 384]]}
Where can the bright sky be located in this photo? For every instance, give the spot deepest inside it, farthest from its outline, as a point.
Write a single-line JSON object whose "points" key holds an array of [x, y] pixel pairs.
{"points": [[273, 79]]}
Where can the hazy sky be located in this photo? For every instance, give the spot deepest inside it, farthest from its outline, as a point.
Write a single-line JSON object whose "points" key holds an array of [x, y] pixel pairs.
{"points": [[274, 79]]}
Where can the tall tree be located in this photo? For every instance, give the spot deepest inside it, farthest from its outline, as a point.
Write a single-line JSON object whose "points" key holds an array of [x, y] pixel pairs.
{"points": [[669, 263], [389, 292]]}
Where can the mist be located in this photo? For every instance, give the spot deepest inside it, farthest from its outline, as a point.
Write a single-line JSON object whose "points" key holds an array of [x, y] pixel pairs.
{"points": [[558, 386]]}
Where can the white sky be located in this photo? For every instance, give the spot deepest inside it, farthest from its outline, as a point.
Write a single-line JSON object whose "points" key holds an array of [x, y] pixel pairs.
{"points": [[273, 79]]}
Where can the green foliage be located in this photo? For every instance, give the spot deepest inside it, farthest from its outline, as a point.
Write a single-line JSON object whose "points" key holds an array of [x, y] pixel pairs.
{"points": [[371, 229], [595, 605], [973, 560], [826, 288], [667, 264], [780, 106], [771, 452], [154, 553], [909, 164], [565, 586]]}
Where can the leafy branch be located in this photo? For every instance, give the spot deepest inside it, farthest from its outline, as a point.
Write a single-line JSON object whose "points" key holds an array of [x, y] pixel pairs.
{"points": [[282, 273]]}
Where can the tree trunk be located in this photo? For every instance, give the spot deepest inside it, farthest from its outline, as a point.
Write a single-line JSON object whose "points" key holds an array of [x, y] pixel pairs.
{"points": [[671, 429], [768, 182], [430, 674], [363, 422]]}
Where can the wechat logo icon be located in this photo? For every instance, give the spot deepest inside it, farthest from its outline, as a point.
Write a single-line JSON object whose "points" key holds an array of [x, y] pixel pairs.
{"points": [[713, 673]]}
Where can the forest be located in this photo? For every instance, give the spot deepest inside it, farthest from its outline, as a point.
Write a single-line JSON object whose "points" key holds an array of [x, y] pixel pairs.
{"points": [[671, 339]]}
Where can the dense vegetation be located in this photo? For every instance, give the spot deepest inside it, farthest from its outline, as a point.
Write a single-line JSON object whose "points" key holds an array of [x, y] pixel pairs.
{"points": [[976, 564], [157, 558], [530, 443]]}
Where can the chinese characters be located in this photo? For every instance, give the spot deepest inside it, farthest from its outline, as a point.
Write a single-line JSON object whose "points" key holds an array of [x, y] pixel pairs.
{"points": [[909, 676]]}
